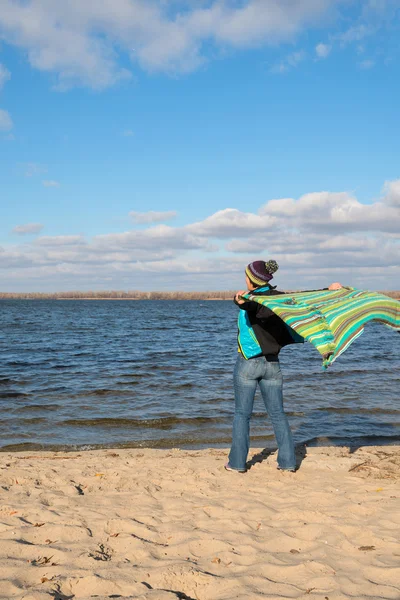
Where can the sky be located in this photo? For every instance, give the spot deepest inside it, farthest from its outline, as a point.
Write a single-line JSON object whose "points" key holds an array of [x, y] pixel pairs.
{"points": [[165, 144]]}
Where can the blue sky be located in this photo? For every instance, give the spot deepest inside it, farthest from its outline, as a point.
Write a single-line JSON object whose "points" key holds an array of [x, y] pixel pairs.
{"points": [[164, 145]]}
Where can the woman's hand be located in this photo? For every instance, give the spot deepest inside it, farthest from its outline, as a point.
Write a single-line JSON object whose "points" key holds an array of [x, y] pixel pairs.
{"points": [[335, 286], [238, 295]]}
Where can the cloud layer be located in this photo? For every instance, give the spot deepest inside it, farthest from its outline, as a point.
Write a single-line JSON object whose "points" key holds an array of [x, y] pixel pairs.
{"points": [[79, 41], [316, 238]]}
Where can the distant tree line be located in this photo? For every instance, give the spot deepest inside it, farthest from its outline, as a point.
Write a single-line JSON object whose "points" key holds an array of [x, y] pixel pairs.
{"points": [[134, 295], [118, 295]]}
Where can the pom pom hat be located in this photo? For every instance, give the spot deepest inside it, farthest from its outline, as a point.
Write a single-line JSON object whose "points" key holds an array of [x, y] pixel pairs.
{"points": [[260, 272]]}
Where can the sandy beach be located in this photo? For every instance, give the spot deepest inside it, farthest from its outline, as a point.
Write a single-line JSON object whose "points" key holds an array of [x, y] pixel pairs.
{"points": [[164, 524]]}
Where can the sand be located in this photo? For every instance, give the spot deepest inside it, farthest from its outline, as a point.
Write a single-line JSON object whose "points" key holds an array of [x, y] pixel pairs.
{"points": [[167, 524]]}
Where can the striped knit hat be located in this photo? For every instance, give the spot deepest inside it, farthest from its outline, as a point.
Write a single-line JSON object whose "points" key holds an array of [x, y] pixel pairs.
{"points": [[260, 272]]}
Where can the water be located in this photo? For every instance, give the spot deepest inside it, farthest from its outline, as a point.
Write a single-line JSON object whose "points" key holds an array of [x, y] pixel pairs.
{"points": [[88, 374]]}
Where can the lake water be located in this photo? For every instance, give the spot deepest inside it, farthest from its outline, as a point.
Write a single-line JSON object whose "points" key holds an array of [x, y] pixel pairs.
{"points": [[88, 374]]}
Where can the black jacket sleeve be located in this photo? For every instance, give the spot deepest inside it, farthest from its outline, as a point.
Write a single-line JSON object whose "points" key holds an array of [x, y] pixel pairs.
{"points": [[264, 312]]}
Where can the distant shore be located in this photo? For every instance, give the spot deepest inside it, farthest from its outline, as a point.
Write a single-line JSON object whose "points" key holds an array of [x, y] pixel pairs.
{"points": [[138, 299], [137, 295], [116, 295]]}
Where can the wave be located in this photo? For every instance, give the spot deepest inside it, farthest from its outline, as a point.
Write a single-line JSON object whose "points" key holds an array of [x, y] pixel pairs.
{"points": [[37, 407], [14, 395], [8, 381], [103, 392], [354, 441], [358, 411], [160, 423], [22, 363], [184, 443], [266, 442]]}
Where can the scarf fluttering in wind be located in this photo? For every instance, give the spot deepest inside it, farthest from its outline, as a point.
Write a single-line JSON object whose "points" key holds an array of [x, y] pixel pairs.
{"points": [[332, 320]]}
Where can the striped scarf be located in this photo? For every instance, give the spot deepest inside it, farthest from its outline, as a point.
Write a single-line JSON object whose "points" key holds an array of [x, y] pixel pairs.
{"points": [[332, 320]]}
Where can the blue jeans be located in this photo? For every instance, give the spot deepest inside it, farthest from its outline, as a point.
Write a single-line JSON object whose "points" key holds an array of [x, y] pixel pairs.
{"points": [[267, 374]]}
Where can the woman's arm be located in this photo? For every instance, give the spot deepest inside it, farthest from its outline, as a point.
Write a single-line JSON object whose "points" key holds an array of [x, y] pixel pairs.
{"points": [[238, 297]]}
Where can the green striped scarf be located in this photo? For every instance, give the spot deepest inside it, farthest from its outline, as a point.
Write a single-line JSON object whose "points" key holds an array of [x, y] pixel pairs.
{"points": [[332, 320]]}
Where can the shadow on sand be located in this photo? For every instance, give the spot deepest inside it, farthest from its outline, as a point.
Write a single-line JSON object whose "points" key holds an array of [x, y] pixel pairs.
{"points": [[301, 453]]}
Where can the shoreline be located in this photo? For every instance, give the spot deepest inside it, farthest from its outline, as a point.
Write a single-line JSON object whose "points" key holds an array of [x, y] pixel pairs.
{"points": [[143, 299], [160, 524], [351, 445], [154, 295]]}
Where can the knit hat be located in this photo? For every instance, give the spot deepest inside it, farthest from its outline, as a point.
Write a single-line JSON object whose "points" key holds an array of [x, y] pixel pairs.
{"points": [[260, 272]]}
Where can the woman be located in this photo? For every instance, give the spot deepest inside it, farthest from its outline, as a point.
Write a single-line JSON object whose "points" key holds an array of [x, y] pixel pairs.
{"points": [[261, 336]]}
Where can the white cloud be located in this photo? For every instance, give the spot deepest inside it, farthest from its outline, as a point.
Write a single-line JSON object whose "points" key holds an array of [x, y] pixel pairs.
{"points": [[323, 50], [127, 133], [391, 193], [374, 18], [154, 238], [290, 62], [28, 228], [330, 211], [355, 33], [5, 121], [270, 243], [231, 222], [152, 216], [4, 75], [79, 41], [346, 243], [257, 21], [59, 38], [50, 183], [318, 238]]}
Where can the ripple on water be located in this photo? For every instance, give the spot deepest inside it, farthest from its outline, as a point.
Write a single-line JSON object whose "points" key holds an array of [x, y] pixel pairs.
{"points": [[103, 392], [14, 395], [37, 408], [8, 381], [163, 423], [359, 410]]}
